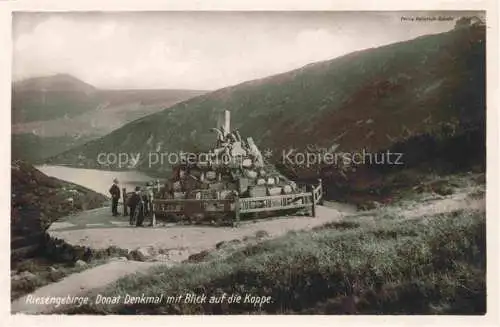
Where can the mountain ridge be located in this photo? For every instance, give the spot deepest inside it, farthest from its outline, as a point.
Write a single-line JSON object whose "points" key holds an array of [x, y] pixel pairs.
{"points": [[56, 82], [370, 99], [51, 114], [46, 98]]}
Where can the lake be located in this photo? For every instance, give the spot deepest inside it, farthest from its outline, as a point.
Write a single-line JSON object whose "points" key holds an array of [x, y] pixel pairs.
{"points": [[97, 180]]}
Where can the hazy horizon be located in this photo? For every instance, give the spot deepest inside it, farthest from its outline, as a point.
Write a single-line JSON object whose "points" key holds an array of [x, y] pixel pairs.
{"points": [[198, 50]]}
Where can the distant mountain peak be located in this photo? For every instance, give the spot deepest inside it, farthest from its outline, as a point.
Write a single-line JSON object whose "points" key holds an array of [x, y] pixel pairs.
{"points": [[58, 82]]}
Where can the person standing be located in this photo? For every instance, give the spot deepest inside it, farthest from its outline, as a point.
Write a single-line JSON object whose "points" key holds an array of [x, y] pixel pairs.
{"points": [[115, 196], [148, 192], [150, 204], [145, 199], [136, 205]]}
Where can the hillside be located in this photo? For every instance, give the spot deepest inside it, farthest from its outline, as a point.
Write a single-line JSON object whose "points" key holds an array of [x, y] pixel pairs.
{"points": [[374, 99], [37, 201], [35, 149], [63, 96]]}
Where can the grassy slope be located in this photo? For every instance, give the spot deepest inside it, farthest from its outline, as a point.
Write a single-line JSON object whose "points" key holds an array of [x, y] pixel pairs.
{"points": [[429, 266], [37, 201], [369, 99]]}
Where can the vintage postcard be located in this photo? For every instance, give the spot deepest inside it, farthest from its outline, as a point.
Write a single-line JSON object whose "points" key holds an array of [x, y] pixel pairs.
{"points": [[236, 162]]}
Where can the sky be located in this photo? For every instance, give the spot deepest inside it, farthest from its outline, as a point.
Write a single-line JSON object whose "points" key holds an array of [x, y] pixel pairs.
{"points": [[198, 50]]}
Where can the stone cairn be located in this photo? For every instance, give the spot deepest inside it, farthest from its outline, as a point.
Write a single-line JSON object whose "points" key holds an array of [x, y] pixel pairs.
{"points": [[234, 167]]}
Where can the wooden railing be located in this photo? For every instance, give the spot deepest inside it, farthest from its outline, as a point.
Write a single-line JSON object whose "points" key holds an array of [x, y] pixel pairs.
{"points": [[240, 205], [276, 202], [192, 206]]}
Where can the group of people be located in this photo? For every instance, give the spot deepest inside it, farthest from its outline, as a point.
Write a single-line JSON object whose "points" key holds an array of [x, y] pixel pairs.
{"points": [[139, 203]]}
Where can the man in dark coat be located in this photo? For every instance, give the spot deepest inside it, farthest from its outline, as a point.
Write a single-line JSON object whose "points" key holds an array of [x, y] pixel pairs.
{"points": [[115, 196], [136, 204], [145, 199]]}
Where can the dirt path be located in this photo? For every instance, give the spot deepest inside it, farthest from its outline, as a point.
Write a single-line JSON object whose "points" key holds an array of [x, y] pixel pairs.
{"points": [[97, 229], [188, 240], [79, 284], [455, 202], [191, 238], [185, 240], [427, 207]]}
